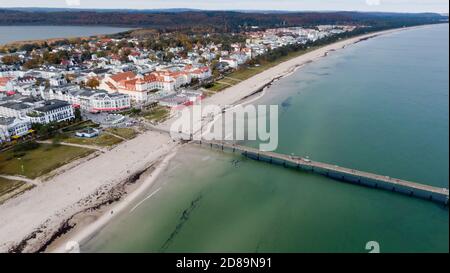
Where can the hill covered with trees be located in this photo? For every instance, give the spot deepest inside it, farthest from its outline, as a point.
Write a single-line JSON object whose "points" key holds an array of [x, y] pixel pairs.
{"points": [[226, 21]]}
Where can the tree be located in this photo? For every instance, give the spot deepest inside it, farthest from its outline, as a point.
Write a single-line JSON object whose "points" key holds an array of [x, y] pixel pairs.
{"points": [[168, 56], [86, 55], [10, 59], [42, 129], [29, 47], [101, 54], [32, 63], [56, 141], [26, 146], [69, 77], [77, 114], [51, 58], [93, 83]]}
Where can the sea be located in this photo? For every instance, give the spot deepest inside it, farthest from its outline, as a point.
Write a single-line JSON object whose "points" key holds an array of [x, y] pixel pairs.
{"points": [[380, 105], [10, 34]]}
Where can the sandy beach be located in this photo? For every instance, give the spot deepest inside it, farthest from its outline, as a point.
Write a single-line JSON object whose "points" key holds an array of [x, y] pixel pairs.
{"points": [[78, 202], [242, 91], [30, 220]]}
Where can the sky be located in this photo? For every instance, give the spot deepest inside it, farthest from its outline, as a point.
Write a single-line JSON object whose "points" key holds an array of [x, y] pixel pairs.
{"points": [[441, 6]]}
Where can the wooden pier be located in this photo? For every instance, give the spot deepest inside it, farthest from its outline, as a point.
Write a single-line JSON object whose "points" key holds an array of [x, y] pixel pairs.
{"points": [[439, 195]]}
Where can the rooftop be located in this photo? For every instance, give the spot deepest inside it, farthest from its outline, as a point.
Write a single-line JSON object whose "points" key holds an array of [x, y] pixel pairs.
{"points": [[6, 121], [52, 105], [16, 105]]}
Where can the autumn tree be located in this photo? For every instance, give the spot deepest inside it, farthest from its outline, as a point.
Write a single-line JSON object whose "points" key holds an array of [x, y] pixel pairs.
{"points": [[51, 58], [32, 63], [92, 83], [10, 59]]}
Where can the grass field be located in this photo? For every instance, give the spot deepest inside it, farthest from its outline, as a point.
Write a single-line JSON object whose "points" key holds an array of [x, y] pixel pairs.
{"points": [[104, 140], [127, 133], [7, 185], [80, 126], [157, 114], [10, 188], [39, 161]]}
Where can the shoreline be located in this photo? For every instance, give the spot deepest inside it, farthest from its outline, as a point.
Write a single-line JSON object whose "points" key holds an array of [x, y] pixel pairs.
{"points": [[290, 66], [104, 214], [33, 221], [17, 43], [250, 89]]}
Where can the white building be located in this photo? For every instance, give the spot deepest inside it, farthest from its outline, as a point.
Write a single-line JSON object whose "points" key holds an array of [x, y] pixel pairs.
{"points": [[15, 109], [233, 63], [90, 100], [142, 88], [59, 80], [52, 111], [102, 101], [11, 128]]}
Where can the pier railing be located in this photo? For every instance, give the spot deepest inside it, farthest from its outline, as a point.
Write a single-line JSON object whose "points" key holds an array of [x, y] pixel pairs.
{"points": [[414, 189]]}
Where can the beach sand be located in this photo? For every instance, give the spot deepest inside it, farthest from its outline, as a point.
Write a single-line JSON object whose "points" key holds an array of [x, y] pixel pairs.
{"points": [[242, 91], [29, 221], [86, 194]]}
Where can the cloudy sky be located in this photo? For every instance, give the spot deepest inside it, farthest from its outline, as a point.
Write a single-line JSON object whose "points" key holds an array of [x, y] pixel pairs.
{"points": [[361, 5]]}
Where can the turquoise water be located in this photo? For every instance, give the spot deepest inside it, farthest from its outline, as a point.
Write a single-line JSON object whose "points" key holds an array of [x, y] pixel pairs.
{"points": [[380, 106], [22, 33]]}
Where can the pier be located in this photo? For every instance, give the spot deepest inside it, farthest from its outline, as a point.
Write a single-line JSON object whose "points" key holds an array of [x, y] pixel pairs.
{"points": [[413, 189]]}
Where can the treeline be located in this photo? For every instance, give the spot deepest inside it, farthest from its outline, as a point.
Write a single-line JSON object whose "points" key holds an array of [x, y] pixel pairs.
{"points": [[223, 21]]}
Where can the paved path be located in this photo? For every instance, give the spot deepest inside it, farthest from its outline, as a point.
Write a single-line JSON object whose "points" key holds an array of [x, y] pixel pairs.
{"points": [[229, 84], [114, 135], [233, 79], [21, 178]]}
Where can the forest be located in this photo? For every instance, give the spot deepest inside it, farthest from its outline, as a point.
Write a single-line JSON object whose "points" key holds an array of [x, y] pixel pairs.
{"points": [[223, 21]]}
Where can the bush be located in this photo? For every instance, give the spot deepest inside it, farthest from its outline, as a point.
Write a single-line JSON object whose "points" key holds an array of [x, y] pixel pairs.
{"points": [[26, 146], [16, 155]]}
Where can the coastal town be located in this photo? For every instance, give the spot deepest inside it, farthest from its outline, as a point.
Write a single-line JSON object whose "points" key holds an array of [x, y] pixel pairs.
{"points": [[53, 83], [84, 121], [102, 105], [243, 129]]}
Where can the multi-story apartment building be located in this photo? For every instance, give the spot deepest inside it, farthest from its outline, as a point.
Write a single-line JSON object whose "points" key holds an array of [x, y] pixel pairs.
{"points": [[90, 100], [52, 111], [11, 127]]}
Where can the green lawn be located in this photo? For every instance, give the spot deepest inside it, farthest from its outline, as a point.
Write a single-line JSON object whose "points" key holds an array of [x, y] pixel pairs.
{"points": [[157, 114], [10, 188], [217, 87], [103, 140], [39, 161], [226, 81], [127, 133], [80, 126], [7, 185]]}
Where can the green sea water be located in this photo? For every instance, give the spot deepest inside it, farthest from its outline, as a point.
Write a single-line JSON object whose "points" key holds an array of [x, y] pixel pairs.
{"points": [[379, 106]]}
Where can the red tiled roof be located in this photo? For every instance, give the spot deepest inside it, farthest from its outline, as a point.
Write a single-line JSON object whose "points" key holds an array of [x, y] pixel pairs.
{"points": [[123, 76], [111, 86], [4, 80]]}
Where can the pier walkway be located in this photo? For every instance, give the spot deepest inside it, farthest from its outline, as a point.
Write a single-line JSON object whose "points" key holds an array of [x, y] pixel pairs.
{"points": [[432, 193]]}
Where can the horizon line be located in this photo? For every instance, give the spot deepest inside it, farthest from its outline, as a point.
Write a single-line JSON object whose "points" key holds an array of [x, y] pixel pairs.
{"points": [[232, 10]]}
